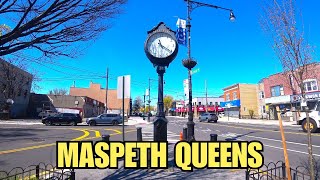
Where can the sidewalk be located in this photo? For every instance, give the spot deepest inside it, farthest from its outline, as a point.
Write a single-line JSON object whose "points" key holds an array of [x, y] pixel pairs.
{"points": [[249, 121]]}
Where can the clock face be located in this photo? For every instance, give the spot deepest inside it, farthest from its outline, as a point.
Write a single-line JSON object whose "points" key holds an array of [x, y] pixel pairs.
{"points": [[161, 45]]}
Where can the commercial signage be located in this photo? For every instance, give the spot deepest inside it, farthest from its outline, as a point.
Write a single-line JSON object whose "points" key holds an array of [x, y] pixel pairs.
{"points": [[278, 100], [309, 96], [186, 88], [228, 104]]}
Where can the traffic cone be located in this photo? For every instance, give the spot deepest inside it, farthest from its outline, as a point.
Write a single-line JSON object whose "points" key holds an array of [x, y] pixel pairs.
{"points": [[181, 136]]}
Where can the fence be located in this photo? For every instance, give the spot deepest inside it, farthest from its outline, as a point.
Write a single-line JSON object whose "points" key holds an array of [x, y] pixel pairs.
{"points": [[37, 172], [277, 171]]}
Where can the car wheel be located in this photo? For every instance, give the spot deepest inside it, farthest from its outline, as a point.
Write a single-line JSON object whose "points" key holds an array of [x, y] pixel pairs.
{"points": [[92, 123], [215, 121], [313, 126], [48, 123], [73, 123], [115, 123]]}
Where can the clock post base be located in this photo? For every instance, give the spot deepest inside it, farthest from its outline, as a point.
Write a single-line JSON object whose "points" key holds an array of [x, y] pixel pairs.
{"points": [[160, 129]]}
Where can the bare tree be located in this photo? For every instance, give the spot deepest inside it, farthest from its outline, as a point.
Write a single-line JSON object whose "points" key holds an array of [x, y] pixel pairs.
{"points": [[279, 20], [58, 91], [50, 26]]}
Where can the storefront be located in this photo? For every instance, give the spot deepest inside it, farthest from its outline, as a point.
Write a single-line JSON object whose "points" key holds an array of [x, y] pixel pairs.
{"points": [[231, 108], [311, 98], [284, 103]]}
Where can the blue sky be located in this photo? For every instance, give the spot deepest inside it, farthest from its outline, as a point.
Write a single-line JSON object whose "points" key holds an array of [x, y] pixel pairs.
{"points": [[227, 52]]}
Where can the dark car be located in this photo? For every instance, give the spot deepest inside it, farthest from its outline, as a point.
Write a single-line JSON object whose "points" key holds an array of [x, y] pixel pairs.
{"points": [[208, 117], [63, 118]]}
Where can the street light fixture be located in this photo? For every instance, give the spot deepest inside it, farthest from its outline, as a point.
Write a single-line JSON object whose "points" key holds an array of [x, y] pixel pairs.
{"points": [[190, 62]]}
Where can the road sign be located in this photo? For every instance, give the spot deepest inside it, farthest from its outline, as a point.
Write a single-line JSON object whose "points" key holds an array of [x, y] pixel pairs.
{"points": [[195, 71], [126, 87]]}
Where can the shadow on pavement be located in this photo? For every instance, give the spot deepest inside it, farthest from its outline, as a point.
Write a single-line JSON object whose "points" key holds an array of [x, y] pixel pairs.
{"points": [[238, 136], [171, 173], [18, 132]]}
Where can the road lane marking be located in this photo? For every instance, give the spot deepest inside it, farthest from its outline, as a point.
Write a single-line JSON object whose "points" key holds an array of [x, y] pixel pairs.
{"points": [[43, 145], [86, 133], [117, 132], [301, 144], [290, 150], [262, 130], [97, 133]]}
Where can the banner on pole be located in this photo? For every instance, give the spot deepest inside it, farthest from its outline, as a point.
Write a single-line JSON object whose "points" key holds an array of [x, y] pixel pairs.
{"points": [[181, 33], [127, 87], [186, 88]]}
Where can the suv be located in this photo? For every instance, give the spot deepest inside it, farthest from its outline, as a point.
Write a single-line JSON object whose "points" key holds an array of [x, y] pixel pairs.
{"points": [[208, 117], [113, 119], [62, 118]]}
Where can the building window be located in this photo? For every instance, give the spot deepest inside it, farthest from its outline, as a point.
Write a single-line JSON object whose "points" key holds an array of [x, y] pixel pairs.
{"points": [[199, 103], [277, 91], [310, 85], [228, 97], [261, 94], [263, 109], [210, 103], [235, 95]]}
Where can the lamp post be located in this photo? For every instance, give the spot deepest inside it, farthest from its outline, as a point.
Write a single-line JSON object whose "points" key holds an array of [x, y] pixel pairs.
{"points": [[190, 62]]}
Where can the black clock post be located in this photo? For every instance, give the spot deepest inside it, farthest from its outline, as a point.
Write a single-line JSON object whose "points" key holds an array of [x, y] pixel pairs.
{"points": [[161, 48]]}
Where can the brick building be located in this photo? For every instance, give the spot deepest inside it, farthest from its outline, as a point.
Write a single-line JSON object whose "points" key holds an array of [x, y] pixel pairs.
{"points": [[96, 92], [282, 90], [239, 99], [85, 106], [15, 84]]}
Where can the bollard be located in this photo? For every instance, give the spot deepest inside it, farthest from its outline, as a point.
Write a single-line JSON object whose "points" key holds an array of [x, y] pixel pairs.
{"points": [[106, 138], [213, 137], [139, 134], [185, 133]]}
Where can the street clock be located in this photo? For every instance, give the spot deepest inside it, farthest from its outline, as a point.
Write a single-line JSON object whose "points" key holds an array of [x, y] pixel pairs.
{"points": [[161, 46]]}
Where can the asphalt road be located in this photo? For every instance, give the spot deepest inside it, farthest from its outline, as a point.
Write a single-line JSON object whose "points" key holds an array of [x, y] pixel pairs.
{"points": [[21, 146], [24, 145], [269, 135]]}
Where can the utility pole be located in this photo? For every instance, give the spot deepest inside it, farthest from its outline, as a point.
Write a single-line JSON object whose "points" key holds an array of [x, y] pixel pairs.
{"points": [[107, 79], [144, 105], [205, 84], [149, 102]]}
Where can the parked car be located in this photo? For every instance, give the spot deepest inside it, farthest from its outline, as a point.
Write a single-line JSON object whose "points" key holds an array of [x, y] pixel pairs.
{"points": [[113, 119], [62, 118], [47, 113], [208, 117]]}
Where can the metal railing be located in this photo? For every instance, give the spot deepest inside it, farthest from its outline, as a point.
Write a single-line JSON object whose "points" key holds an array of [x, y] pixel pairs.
{"points": [[38, 172], [277, 171]]}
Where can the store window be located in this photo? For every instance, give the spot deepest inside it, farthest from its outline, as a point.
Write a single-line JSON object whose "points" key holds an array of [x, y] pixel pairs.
{"points": [[228, 97], [261, 94], [277, 91], [235, 95], [310, 85]]}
